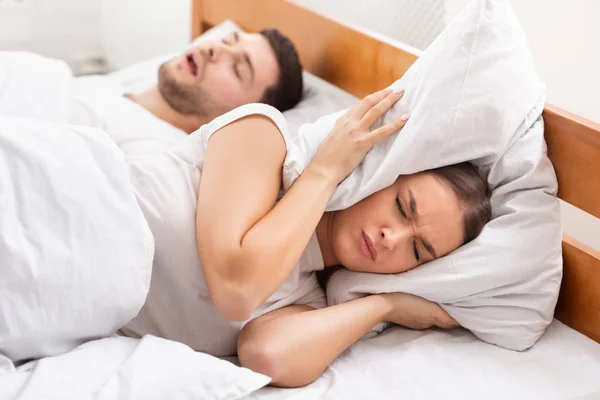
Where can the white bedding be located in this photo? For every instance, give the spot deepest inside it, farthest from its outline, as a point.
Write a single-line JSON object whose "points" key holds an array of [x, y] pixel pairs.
{"points": [[75, 249], [132, 369], [405, 364], [75, 260], [399, 363]]}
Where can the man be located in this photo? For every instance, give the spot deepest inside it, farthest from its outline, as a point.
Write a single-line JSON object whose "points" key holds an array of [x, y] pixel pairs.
{"points": [[193, 89], [218, 76]]}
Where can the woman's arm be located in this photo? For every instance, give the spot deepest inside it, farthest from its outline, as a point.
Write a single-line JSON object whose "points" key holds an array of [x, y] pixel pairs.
{"points": [[248, 245], [295, 344]]}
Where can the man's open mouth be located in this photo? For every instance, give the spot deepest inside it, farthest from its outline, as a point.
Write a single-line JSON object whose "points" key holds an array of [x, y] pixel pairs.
{"points": [[192, 65]]}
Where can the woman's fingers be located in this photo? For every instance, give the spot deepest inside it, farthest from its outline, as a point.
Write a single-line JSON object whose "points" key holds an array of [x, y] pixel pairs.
{"points": [[362, 107], [388, 129], [380, 108], [446, 322]]}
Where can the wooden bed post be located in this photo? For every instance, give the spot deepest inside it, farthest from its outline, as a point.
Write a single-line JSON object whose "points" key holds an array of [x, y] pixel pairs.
{"points": [[197, 18]]}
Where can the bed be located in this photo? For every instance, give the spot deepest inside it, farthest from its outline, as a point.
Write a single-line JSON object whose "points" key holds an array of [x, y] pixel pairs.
{"points": [[340, 53], [69, 338]]}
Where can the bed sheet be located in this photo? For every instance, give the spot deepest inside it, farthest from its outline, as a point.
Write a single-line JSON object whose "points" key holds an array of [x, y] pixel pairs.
{"points": [[406, 364]]}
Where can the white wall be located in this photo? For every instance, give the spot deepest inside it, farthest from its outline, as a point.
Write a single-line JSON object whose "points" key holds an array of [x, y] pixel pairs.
{"points": [[564, 39], [413, 22], [65, 29], [135, 30], [85, 32]]}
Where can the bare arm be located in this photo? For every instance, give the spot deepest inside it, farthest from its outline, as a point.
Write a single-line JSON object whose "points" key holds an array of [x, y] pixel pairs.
{"points": [[295, 344], [248, 245]]}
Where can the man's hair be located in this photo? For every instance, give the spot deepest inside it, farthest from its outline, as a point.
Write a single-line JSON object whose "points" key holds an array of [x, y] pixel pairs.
{"points": [[287, 92]]}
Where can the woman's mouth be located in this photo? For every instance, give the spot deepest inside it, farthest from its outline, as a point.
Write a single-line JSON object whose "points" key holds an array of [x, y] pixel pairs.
{"points": [[366, 247]]}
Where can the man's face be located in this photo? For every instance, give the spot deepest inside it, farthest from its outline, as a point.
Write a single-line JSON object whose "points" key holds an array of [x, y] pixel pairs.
{"points": [[219, 75]]}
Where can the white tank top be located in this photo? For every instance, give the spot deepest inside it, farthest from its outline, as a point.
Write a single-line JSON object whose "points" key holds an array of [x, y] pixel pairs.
{"points": [[178, 305]]}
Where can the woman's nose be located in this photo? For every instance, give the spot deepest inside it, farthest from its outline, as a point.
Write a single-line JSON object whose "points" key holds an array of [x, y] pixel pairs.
{"points": [[391, 236]]}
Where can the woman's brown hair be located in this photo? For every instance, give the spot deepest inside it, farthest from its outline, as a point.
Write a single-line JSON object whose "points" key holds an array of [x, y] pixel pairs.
{"points": [[473, 195]]}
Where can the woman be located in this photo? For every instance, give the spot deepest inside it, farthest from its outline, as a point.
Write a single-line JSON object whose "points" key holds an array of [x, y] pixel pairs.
{"points": [[248, 246], [234, 267]]}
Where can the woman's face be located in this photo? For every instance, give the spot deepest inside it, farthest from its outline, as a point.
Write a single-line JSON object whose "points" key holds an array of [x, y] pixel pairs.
{"points": [[414, 221]]}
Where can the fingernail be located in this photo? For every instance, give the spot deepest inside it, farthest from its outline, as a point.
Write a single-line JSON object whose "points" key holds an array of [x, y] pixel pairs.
{"points": [[398, 90], [404, 117]]}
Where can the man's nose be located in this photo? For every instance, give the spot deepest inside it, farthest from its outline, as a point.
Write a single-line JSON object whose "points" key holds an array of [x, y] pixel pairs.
{"points": [[218, 52], [392, 236]]}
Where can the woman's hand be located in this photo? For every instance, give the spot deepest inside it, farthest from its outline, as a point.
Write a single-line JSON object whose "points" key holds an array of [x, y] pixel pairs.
{"points": [[350, 140], [416, 313]]}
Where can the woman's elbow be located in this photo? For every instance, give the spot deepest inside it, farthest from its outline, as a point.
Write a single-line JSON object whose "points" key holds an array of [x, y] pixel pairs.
{"points": [[268, 358], [232, 300], [259, 358], [233, 306]]}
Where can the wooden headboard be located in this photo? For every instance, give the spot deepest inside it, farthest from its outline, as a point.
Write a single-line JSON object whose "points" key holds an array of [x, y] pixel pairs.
{"points": [[361, 63]]}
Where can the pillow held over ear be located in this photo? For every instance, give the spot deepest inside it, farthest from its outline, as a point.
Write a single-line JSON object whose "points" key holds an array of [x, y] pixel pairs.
{"points": [[473, 96]]}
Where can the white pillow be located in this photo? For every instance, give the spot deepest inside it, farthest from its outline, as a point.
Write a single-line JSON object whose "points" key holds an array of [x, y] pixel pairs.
{"points": [[75, 250], [473, 96], [319, 97]]}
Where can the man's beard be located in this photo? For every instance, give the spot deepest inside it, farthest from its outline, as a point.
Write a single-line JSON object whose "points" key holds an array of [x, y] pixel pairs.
{"points": [[186, 99]]}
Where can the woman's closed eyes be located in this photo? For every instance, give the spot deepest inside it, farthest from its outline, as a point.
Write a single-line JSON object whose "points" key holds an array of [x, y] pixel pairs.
{"points": [[403, 213]]}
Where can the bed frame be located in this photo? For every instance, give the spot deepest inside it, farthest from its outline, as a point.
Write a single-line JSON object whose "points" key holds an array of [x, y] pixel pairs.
{"points": [[341, 53]]}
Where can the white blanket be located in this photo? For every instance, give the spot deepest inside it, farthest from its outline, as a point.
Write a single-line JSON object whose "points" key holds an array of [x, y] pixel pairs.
{"points": [[33, 87], [130, 369], [75, 260], [75, 249], [400, 363]]}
